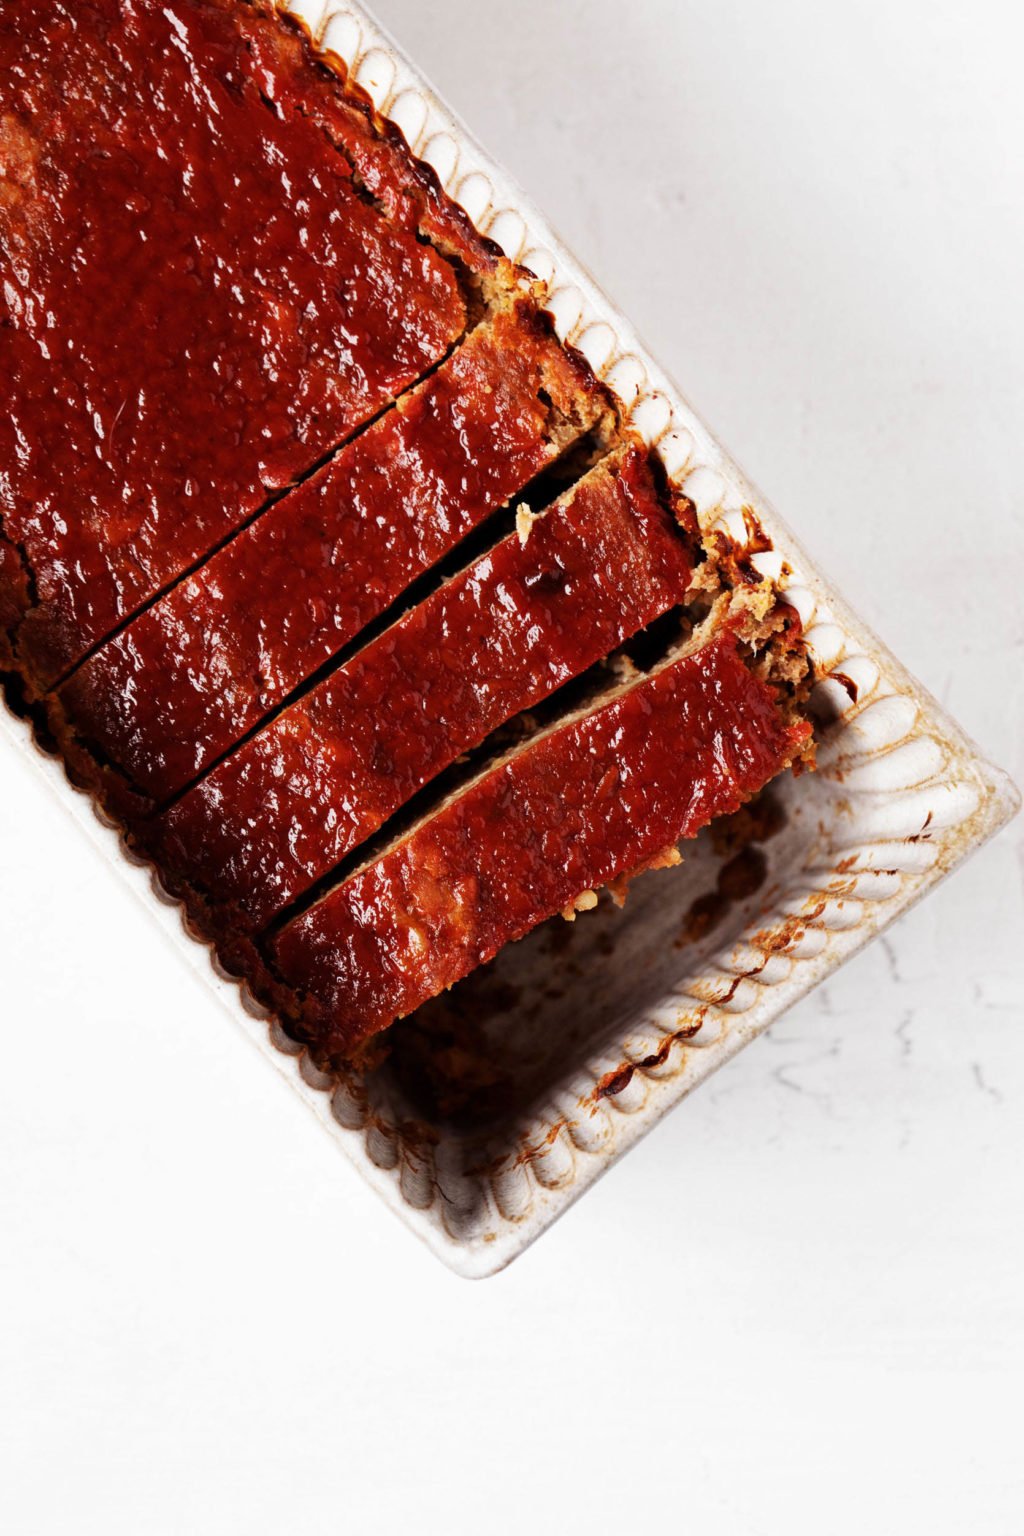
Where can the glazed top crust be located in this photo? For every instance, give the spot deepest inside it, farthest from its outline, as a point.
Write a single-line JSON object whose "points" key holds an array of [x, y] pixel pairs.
{"points": [[199, 298]]}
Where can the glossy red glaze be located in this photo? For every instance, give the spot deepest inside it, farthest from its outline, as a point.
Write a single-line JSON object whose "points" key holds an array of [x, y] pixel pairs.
{"points": [[596, 798], [196, 302], [280, 812], [298, 80], [187, 677]]}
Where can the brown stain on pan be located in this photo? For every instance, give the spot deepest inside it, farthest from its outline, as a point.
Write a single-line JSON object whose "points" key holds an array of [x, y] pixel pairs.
{"points": [[531, 1151], [616, 1081], [848, 683], [770, 942]]}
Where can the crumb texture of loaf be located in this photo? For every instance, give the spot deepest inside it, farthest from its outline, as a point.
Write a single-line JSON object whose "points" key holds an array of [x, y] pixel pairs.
{"points": [[601, 563], [592, 799], [199, 301]]}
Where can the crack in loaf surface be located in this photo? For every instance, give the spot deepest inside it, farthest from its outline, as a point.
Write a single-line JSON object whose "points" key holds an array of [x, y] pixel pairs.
{"points": [[531, 613], [181, 244], [590, 800]]}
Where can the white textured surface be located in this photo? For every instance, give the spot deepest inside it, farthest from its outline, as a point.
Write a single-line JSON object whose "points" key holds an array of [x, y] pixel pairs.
{"points": [[838, 1284]]}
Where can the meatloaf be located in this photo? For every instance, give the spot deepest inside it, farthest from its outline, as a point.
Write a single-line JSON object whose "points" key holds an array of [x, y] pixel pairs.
{"points": [[336, 577]]}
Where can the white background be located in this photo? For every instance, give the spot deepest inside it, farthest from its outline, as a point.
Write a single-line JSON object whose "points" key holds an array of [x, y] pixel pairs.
{"points": [[797, 1307]]}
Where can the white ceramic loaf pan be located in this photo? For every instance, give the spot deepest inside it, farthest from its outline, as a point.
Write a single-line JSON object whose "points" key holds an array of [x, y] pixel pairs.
{"points": [[602, 1030]]}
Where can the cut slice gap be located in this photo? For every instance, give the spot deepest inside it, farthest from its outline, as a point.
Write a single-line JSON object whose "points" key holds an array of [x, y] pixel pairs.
{"points": [[276, 71], [671, 638], [561, 588], [49, 638], [271, 500], [537, 494], [573, 700], [586, 801], [224, 650]]}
